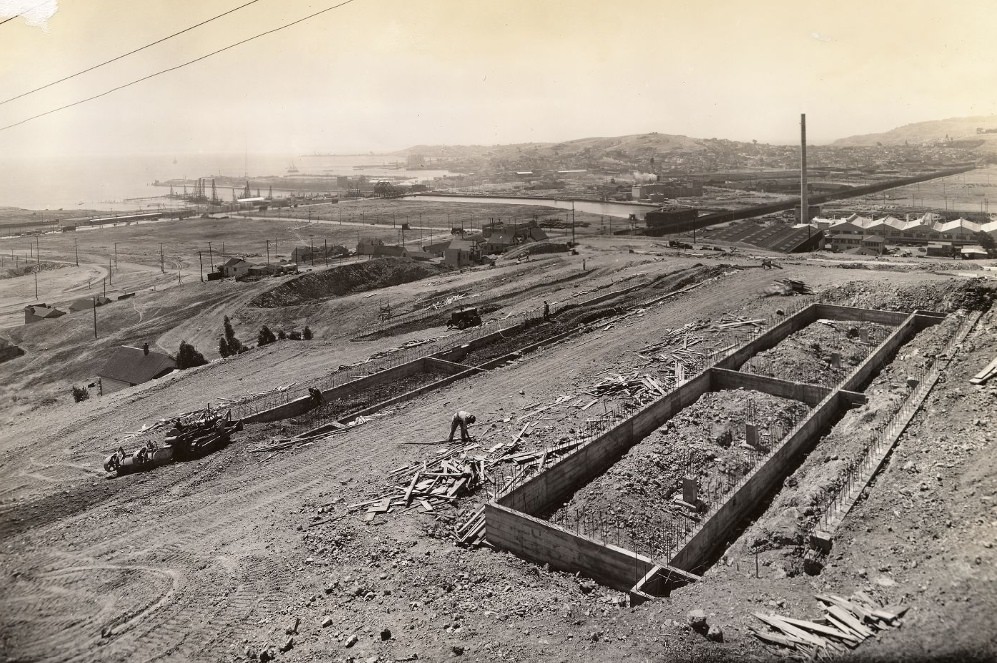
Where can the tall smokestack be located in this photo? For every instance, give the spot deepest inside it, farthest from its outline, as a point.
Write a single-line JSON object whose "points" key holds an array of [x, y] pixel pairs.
{"points": [[804, 202]]}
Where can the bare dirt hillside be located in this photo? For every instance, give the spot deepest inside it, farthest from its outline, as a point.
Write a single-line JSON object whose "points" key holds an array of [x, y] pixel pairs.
{"points": [[250, 556]]}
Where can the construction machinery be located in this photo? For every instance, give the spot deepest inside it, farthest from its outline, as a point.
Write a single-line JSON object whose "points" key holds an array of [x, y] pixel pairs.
{"points": [[464, 317], [187, 440]]}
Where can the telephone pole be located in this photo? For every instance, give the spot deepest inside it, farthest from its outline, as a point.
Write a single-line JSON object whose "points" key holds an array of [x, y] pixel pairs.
{"points": [[76, 244], [36, 281], [115, 254], [268, 253], [211, 258], [110, 270], [162, 259], [95, 317], [200, 262]]}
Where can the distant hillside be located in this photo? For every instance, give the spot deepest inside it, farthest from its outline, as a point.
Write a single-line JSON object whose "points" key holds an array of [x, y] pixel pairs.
{"points": [[619, 147], [957, 129]]}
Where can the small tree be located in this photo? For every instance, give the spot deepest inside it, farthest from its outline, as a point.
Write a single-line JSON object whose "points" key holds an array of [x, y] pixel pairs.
{"points": [[223, 348], [265, 337], [80, 394], [189, 357], [307, 333], [234, 344], [281, 335]]}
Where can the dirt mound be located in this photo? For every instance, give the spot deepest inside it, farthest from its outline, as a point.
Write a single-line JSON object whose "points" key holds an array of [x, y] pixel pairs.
{"points": [[976, 295], [345, 280], [944, 296]]}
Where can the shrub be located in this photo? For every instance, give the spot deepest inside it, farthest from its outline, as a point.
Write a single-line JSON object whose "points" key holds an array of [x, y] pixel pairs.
{"points": [[80, 393], [234, 344], [281, 336], [265, 337], [223, 348], [307, 333], [189, 357], [295, 335]]}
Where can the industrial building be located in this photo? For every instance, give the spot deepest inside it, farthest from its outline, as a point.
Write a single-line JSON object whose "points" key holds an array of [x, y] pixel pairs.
{"points": [[855, 230]]}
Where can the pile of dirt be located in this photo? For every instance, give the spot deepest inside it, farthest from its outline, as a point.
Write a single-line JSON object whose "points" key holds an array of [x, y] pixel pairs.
{"points": [[944, 296], [345, 280], [806, 355], [702, 441]]}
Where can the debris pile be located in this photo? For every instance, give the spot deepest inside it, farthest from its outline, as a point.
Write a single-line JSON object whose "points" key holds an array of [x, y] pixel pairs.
{"points": [[787, 287], [845, 624], [460, 470]]}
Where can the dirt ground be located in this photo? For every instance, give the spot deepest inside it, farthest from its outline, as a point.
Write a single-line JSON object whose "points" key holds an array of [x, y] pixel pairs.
{"points": [[238, 554]]}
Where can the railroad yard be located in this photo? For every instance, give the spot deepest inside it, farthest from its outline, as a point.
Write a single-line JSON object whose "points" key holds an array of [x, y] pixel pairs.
{"points": [[350, 529]]}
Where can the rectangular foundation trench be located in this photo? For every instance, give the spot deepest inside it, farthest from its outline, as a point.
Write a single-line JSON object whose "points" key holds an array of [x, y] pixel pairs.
{"points": [[511, 521]]}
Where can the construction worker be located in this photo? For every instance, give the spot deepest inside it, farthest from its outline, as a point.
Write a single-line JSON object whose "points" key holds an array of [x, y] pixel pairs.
{"points": [[462, 419], [546, 311]]}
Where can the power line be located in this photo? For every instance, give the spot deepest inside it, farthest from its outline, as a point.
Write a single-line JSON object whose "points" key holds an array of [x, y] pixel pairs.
{"points": [[26, 11], [124, 55], [179, 66]]}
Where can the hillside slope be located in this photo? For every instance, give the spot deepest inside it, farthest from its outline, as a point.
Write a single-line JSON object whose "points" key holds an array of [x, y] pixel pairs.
{"points": [[957, 128]]}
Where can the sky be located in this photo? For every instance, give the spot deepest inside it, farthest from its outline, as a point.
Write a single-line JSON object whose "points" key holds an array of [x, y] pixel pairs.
{"points": [[382, 75]]}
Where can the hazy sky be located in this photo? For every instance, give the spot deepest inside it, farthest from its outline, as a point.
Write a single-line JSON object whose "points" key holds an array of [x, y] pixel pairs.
{"points": [[386, 74]]}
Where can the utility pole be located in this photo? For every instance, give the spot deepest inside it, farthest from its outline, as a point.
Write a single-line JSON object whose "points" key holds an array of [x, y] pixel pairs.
{"points": [[95, 317], [311, 242], [211, 258], [36, 281], [325, 250], [110, 271], [105, 287], [572, 223], [200, 262], [268, 253], [115, 254], [38, 251], [179, 261], [162, 259], [76, 243]]}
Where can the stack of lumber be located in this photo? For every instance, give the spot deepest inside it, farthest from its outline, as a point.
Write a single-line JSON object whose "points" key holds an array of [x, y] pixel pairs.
{"points": [[845, 624], [733, 321], [642, 388]]}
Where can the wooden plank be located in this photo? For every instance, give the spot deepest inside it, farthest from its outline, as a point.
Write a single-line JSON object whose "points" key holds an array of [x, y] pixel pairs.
{"points": [[819, 628], [841, 626], [591, 403], [852, 607], [776, 621], [408, 493], [849, 619], [772, 637], [426, 506]]}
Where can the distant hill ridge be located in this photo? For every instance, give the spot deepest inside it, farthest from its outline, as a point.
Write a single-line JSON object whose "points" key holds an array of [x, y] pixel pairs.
{"points": [[956, 128], [637, 145]]}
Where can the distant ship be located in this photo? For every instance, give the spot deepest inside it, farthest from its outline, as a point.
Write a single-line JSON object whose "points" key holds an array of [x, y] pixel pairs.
{"points": [[292, 170]]}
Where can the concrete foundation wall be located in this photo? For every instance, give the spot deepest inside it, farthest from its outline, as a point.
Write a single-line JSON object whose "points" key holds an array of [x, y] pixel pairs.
{"points": [[544, 543], [811, 394], [720, 524], [555, 485], [305, 403], [769, 339], [864, 371], [849, 313], [289, 409]]}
